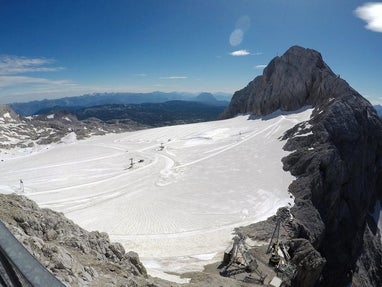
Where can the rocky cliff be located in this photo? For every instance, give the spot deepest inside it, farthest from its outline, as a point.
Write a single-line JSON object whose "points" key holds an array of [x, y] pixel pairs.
{"points": [[300, 77], [75, 256], [336, 157]]}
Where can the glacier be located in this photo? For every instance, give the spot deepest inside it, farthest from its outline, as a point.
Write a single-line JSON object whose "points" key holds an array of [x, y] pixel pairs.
{"points": [[189, 185]]}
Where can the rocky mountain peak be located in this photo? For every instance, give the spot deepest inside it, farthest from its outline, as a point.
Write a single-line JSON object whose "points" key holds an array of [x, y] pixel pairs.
{"points": [[7, 115], [205, 97], [336, 158], [298, 78]]}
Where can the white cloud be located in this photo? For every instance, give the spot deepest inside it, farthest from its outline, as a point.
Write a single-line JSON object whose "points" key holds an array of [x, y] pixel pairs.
{"points": [[371, 13], [11, 65], [260, 66], [240, 53], [173, 78]]}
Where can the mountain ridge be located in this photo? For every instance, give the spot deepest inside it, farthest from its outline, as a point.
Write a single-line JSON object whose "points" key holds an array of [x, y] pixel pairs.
{"points": [[299, 77], [336, 158], [89, 100]]}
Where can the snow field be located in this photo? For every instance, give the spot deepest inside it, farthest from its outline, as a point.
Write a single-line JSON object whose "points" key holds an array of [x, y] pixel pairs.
{"points": [[178, 207]]}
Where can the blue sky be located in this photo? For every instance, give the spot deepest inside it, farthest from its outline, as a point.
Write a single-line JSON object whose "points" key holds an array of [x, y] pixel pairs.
{"points": [[56, 48]]}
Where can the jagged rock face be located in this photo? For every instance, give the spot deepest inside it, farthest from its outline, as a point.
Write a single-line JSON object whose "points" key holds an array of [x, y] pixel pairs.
{"points": [[336, 157], [7, 115], [300, 77], [338, 167], [73, 255], [309, 262]]}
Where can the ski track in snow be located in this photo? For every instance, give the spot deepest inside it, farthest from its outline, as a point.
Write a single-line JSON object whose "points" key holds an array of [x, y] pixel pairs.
{"points": [[178, 207]]}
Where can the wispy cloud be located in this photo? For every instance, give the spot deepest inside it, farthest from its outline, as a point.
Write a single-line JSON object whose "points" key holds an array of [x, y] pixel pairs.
{"points": [[260, 66], [371, 13], [237, 35], [15, 78], [9, 81], [173, 78], [14, 68], [12, 65], [141, 75], [239, 53]]}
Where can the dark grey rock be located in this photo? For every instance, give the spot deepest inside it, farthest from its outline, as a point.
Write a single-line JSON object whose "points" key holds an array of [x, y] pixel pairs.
{"points": [[338, 168], [309, 263], [298, 78], [368, 267], [337, 159]]}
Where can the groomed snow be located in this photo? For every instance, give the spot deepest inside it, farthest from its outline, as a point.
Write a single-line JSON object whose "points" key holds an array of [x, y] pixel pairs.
{"points": [[178, 207]]}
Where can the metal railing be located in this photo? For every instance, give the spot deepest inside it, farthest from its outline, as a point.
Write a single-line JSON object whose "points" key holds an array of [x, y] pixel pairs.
{"points": [[18, 267]]}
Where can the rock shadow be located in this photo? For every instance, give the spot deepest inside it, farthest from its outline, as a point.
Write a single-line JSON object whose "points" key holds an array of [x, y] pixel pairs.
{"points": [[277, 114]]}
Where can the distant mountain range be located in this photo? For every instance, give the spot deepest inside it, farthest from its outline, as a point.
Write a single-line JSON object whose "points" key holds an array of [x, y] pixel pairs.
{"points": [[74, 103], [153, 114], [55, 125], [44, 122]]}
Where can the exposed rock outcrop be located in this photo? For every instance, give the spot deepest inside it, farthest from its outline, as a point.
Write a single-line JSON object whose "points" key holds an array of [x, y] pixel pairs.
{"points": [[308, 261], [338, 169], [298, 78], [17, 131], [336, 157], [73, 255]]}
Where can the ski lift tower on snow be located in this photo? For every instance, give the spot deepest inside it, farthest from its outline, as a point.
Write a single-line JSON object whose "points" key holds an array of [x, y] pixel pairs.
{"points": [[131, 163], [21, 189]]}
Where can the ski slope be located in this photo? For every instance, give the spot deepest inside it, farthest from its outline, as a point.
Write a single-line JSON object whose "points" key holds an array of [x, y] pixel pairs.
{"points": [[177, 207]]}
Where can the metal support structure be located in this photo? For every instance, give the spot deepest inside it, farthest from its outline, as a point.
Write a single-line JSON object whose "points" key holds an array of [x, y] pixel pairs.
{"points": [[18, 268], [275, 236], [248, 264]]}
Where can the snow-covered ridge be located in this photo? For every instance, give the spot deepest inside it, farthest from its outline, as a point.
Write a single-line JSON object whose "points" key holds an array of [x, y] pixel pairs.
{"points": [[29, 132], [187, 188]]}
